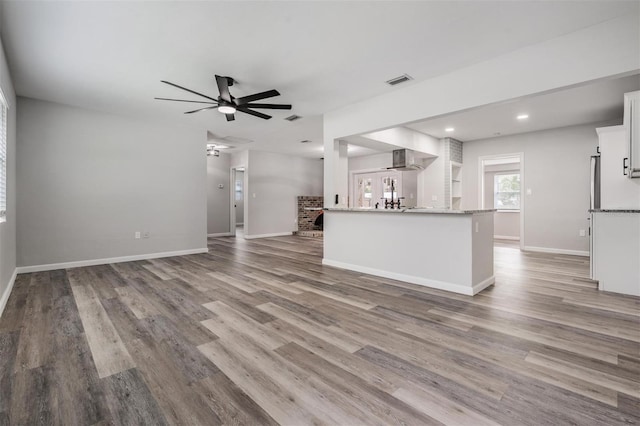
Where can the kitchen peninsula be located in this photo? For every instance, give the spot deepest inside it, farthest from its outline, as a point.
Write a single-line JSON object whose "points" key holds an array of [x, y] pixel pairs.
{"points": [[440, 248]]}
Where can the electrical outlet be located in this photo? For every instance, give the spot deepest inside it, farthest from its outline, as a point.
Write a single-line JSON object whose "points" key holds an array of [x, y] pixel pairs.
{"points": [[434, 198], [137, 235], [583, 233], [145, 234]]}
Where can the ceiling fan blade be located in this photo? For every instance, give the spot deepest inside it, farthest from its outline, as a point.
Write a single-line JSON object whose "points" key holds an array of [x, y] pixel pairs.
{"points": [[257, 96], [230, 117], [184, 100], [268, 106], [201, 109], [188, 90], [223, 88], [254, 113]]}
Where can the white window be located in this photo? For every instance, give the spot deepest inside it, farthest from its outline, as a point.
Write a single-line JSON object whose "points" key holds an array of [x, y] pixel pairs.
{"points": [[506, 192], [3, 157]]}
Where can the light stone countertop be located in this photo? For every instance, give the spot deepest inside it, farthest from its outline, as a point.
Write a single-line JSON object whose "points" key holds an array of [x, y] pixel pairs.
{"points": [[614, 211], [410, 210]]}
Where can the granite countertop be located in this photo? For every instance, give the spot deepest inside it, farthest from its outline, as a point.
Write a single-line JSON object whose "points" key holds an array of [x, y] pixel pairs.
{"points": [[410, 210], [614, 211]]}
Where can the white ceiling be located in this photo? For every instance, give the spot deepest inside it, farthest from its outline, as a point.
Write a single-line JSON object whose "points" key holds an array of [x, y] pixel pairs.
{"points": [[600, 101], [110, 56]]}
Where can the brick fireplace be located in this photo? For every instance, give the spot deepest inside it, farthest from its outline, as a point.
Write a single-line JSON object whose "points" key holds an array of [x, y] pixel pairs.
{"points": [[309, 207]]}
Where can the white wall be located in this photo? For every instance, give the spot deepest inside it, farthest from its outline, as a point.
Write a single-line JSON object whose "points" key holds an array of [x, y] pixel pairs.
{"points": [[403, 137], [86, 181], [556, 169], [218, 199], [506, 224], [273, 183], [8, 228], [371, 162], [431, 181]]}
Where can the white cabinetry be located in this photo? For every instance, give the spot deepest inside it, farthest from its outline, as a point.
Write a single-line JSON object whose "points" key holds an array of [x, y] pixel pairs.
{"points": [[616, 190], [616, 251], [632, 133]]}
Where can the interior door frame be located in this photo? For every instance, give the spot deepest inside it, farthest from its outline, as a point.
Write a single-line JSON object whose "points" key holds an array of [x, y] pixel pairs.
{"points": [[232, 199], [481, 165]]}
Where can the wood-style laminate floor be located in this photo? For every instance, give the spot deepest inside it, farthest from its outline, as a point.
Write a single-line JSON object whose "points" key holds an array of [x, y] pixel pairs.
{"points": [[259, 332]]}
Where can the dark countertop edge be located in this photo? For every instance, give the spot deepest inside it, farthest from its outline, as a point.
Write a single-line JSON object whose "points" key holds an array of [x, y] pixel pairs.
{"points": [[411, 211], [614, 211]]}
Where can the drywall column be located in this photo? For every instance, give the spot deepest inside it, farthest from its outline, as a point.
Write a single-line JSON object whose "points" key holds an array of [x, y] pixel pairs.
{"points": [[336, 173]]}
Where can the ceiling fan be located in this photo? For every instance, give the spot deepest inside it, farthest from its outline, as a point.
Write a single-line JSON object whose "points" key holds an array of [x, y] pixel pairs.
{"points": [[229, 105]]}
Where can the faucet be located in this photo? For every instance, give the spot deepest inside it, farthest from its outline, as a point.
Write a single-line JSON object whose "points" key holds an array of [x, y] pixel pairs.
{"points": [[393, 203], [397, 202]]}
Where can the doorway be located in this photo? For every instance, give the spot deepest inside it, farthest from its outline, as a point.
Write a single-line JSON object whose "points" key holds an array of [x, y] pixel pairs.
{"points": [[237, 195], [501, 187]]}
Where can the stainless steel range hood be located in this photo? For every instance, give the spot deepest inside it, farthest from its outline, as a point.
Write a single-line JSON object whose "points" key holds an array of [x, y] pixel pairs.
{"points": [[405, 159]]}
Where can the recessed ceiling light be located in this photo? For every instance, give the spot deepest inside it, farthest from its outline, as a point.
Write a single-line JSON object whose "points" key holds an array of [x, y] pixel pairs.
{"points": [[522, 116], [449, 129]]}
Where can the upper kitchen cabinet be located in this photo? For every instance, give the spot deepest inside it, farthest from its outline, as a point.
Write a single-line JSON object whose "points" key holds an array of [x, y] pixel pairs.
{"points": [[632, 134], [616, 190]]}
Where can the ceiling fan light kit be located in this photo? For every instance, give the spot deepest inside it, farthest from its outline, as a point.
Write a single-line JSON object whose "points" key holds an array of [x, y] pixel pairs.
{"points": [[227, 104], [226, 109]]}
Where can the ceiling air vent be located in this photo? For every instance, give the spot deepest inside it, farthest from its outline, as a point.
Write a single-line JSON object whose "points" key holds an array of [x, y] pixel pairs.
{"points": [[293, 117], [398, 80]]}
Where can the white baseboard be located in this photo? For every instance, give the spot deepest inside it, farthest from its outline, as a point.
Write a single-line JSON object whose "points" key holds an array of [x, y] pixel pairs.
{"points": [[93, 262], [505, 237], [440, 285], [7, 291], [557, 251], [221, 234], [277, 234], [484, 284]]}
